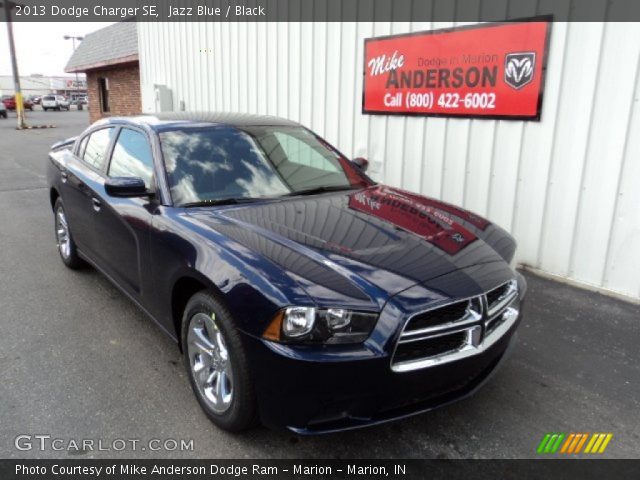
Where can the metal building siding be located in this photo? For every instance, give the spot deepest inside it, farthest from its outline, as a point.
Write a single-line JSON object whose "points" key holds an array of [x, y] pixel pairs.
{"points": [[566, 187]]}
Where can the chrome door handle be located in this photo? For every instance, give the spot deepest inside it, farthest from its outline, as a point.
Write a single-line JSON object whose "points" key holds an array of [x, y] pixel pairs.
{"points": [[97, 204]]}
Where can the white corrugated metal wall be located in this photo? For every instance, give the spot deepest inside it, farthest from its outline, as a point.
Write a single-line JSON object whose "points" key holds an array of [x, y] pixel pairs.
{"points": [[568, 187]]}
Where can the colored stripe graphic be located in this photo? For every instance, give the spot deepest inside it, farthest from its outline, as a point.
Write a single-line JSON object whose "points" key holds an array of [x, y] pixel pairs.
{"points": [[550, 443], [567, 443], [572, 443], [544, 441], [581, 442], [556, 445], [605, 443], [598, 443]]}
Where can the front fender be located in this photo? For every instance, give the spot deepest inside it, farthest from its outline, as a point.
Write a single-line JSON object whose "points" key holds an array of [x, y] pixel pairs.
{"points": [[254, 288]]}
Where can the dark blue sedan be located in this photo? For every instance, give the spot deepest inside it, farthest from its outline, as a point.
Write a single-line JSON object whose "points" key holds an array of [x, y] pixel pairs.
{"points": [[301, 292]]}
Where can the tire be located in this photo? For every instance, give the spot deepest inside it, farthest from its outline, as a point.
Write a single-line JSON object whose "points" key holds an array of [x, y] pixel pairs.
{"points": [[64, 240], [225, 364], [45, 109], [58, 109]]}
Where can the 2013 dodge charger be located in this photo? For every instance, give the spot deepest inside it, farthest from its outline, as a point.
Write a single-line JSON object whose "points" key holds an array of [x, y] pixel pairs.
{"points": [[300, 291]]}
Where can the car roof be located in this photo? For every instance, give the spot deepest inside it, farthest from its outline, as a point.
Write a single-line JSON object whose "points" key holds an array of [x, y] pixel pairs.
{"points": [[172, 120]]}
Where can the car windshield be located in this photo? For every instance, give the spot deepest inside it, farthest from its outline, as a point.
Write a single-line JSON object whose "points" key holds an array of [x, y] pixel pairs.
{"points": [[49, 98], [209, 164]]}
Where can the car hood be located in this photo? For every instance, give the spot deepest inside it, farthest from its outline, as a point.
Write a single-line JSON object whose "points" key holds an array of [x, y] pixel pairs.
{"points": [[378, 239]]}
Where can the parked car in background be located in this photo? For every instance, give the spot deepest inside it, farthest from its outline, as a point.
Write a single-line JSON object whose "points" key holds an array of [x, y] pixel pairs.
{"points": [[299, 290], [10, 103], [55, 102], [3, 110], [36, 100]]}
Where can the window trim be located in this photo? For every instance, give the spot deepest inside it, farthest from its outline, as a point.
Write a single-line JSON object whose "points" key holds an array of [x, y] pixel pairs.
{"points": [[79, 150]]}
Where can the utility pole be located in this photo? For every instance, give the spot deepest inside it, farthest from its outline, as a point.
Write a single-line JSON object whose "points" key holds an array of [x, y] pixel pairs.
{"points": [[73, 40], [14, 64]]}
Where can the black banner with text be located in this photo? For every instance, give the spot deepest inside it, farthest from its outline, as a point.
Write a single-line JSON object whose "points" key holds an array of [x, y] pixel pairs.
{"points": [[317, 10], [318, 469]]}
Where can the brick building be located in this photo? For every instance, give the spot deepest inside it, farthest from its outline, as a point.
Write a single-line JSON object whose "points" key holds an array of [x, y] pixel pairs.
{"points": [[109, 57]]}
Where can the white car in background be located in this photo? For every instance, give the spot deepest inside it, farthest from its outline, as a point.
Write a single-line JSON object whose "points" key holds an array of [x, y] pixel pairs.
{"points": [[55, 102]]}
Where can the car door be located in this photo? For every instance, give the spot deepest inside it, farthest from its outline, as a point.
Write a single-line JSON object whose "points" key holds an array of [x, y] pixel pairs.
{"points": [[80, 178], [122, 224]]}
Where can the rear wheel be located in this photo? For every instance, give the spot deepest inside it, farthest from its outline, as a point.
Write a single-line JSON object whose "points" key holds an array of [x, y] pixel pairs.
{"points": [[216, 363], [66, 246]]}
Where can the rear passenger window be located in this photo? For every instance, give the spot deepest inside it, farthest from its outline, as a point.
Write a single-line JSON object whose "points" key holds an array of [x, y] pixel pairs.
{"points": [[132, 157], [95, 153]]}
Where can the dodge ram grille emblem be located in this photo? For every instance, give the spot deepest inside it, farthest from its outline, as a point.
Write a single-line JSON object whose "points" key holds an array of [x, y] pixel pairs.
{"points": [[519, 68], [457, 237]]}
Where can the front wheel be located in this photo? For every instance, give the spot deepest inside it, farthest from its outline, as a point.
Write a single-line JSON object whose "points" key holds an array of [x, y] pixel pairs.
{"points": [[216, 363], [66, 246]]}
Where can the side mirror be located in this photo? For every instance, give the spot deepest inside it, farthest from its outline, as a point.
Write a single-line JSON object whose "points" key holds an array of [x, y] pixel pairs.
{"points": [[361, 162], [125, 187]]}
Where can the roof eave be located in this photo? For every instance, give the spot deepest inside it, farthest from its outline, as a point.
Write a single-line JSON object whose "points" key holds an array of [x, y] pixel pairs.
{"points": [[106, 63]]}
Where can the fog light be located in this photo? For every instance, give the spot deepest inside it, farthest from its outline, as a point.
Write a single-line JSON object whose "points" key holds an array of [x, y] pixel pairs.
{"points": [[298, 321]]}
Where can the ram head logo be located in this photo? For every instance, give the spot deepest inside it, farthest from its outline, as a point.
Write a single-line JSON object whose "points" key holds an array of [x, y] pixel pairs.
{"points": [[518, 68]]}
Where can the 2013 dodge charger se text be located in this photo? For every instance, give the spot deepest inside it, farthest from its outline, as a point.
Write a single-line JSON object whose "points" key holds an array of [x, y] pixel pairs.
{"points": [[300, 291]]}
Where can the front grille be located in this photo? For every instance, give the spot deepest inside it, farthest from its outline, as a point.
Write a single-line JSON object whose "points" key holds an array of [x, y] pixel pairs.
{"points": [[492, 324], [457, 330], [499, 297], [449, 314], [494, 295], [429, 347]]}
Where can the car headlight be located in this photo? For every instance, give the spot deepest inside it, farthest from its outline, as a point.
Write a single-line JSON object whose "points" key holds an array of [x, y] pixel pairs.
{"points": [[320, 325]]}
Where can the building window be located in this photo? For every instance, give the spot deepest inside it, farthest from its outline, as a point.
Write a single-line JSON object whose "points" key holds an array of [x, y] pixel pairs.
{"points": [[103, 88]]}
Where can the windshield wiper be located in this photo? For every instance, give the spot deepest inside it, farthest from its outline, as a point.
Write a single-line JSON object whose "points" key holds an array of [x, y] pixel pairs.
{"points": [[322, 189], [218, 202]]}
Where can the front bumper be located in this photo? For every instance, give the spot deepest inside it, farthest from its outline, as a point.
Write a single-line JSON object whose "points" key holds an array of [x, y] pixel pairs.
{"points": [[309, 392]]}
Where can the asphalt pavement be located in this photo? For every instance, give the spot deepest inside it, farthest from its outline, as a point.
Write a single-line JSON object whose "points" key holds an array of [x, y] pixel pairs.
{"points": [[79, 361]]}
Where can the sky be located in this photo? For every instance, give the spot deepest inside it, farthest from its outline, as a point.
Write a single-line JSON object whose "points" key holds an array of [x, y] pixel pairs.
{"points": [[40, 47]]}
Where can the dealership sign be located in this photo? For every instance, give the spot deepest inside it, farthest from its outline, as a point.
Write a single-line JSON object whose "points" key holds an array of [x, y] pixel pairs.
{"points": [[488, 70], [77, 84]]}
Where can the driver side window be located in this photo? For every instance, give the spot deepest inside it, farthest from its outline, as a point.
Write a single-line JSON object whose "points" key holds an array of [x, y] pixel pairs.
{"points": [[132, 157]]}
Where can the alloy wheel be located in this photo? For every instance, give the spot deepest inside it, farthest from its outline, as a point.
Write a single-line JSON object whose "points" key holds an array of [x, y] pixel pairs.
{"points": [[210, 363], [63, 238]]}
